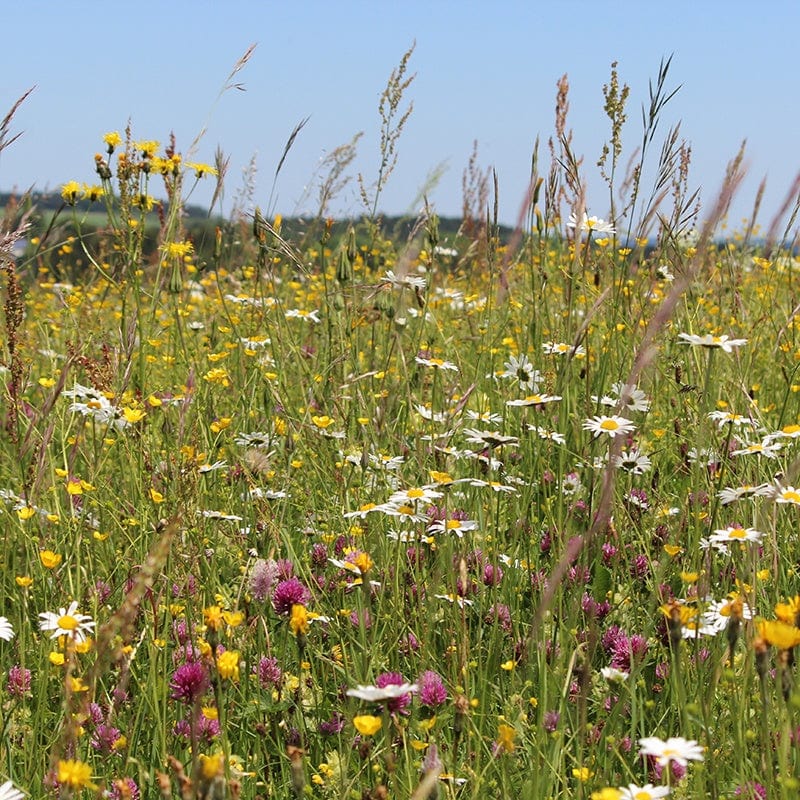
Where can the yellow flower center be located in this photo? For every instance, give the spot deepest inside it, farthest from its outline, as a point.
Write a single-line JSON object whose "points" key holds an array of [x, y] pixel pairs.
{"points": [[67, 623], [792, 497], [736, 533], [415, 493], [453, 524], [609, 425]]}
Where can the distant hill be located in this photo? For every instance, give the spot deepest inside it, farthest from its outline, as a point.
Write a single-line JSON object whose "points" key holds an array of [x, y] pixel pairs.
{"points": [[394, 225]]}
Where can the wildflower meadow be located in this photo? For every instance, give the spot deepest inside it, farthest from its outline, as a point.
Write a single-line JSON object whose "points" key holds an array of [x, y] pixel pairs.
{"points": [[325, 510]]}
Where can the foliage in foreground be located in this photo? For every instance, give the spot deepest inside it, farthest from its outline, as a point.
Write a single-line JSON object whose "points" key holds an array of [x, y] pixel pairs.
{"points": [[363, 518]]}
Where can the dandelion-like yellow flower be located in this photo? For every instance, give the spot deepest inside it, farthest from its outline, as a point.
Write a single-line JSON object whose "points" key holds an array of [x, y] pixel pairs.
{"points": [[75, 774], [70, 192], [298, 621], [212, 616], [505, 737], [228, 665], [779, 634], [211, 766], [112, 140]]}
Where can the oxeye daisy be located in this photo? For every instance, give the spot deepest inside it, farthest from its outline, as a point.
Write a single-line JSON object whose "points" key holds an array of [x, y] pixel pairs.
{"points": [[522, 370], [376, 694], [787, 495], [723, 342], [590, 224], [534, 400], [676, 749], [735, 533], [648, 792], [415, 494], [10, 792], [562, 349], [67, 622], [612, 426], [633, 461], [456, 526], [6, 634]]}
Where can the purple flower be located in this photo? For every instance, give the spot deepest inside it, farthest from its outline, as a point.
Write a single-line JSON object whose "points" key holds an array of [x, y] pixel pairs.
{"points": [[104, 738], [492, 575], [333, 726], [499, 613], [189, 682], [269, 672], [550, 720], [431, 689], [19, 681], [396, 705], [103, 591], [205, 728], [263, 575], [432, 761], [124, 789], [289, 593]]}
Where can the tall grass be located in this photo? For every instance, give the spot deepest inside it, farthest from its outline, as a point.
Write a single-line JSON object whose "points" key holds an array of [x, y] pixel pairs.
{"points": [[367, 518]]}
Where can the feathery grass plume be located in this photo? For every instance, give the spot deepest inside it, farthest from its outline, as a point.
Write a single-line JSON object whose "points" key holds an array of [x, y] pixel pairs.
{"points": [[393, 121]]}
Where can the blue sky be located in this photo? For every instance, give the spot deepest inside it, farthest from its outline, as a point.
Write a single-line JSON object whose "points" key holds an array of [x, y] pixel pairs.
{"points": [[484, 71]]}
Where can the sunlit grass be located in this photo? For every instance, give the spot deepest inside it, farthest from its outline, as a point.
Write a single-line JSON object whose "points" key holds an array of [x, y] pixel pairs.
{"points": [[366, 518]]}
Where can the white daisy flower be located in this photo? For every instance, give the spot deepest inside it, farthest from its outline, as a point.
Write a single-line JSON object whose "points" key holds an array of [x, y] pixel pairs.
{"points": [[10, 792], [723, 342], [676, 749], [648, 792], [67, 622], [376, 694], [612, 426], [6, 630], [590, 224]]}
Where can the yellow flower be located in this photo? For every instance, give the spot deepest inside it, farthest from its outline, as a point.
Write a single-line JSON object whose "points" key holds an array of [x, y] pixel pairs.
{"points": [[233, 618], [92, 193], [228, 665], [298, 622], [23, 581], [218, 375], [609, 793], [582, 774], [211, 766], [788, 612], [220, 424], [26, 512], [70, 192], [179, 249], [113, 140], [779, 634], [201, 170], [212, 616], [156, 496], [505, 737], [49, 559], [367, 725], [75, 774], [440, 477], [133, 415], [322, 422], [56, 659]]}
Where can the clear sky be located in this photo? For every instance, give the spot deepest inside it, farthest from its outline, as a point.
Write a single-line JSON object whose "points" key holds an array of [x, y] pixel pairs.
{"points": [[485, 72]]}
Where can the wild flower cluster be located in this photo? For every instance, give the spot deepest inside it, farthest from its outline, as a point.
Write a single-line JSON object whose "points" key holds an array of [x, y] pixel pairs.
{"points": [[355, 518]]}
